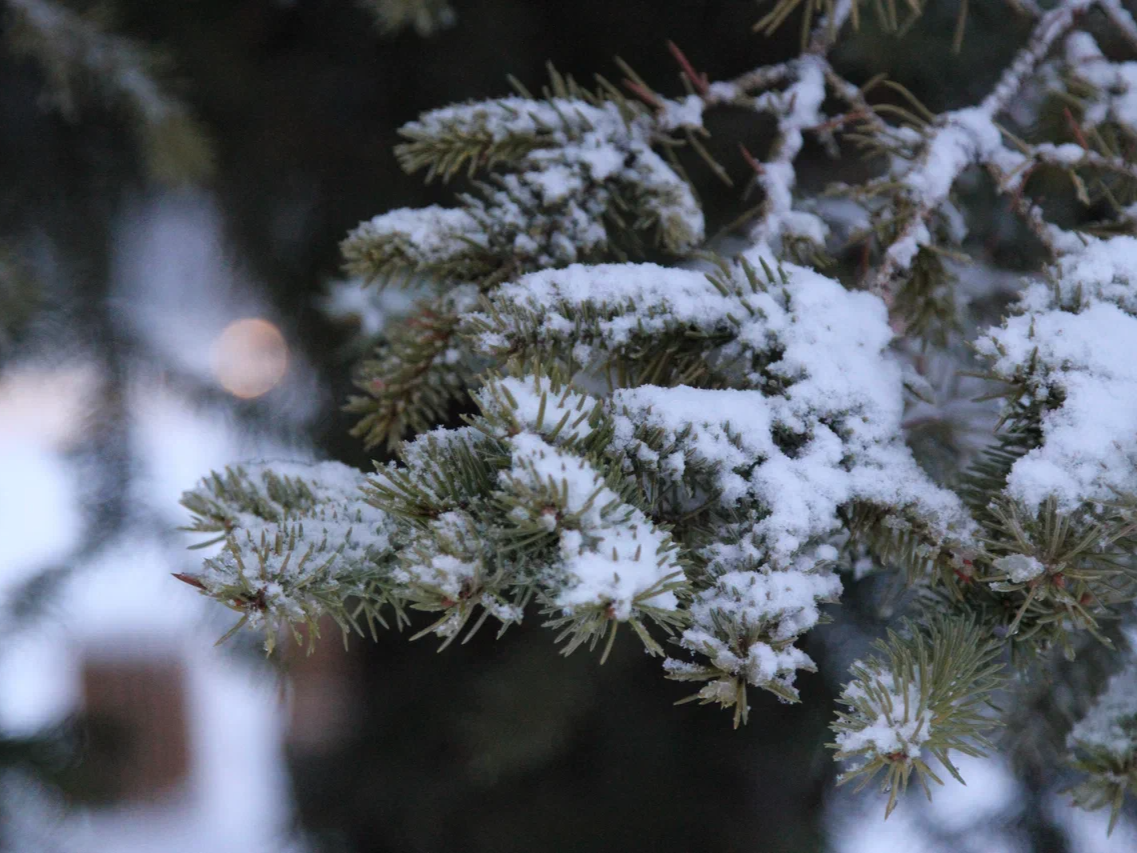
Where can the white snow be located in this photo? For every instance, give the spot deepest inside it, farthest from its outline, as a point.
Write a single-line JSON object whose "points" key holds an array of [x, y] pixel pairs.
{"points": [[532, 403], [796, 108], [816, 426], [569, 160], [1020, 568], [1076, 339], [616, 555], [896, 721], [1112, 722], [430, 235], [1115, 82]]}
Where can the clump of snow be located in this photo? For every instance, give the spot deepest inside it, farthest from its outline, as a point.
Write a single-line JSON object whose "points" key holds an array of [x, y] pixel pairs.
{"points": [[428, 447], [533, 403], [448, 572], [1073, 346], [1020, 568], [453, 567], [893, 720], [255, 496], [612, 555], [1115, 82], [1111, 725], [683, 113], [828, 431], [1099, 271], [966, 136], [775, 605]]}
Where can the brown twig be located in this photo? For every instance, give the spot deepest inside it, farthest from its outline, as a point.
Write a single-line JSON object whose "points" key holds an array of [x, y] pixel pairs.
{"points": [[1077, 131], [644, 94], [751, 160], [698, 79]]}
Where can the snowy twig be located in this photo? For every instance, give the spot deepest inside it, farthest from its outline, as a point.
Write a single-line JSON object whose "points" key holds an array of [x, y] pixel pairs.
{"points": [[964, 138], [1119, 16]]}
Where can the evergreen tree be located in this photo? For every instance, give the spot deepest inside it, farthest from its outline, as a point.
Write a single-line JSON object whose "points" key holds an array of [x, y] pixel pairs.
{"points": [[599, 413], [700, 437]]}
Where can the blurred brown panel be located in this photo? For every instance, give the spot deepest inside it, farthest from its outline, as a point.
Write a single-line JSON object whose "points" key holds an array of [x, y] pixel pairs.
{"points": [[137, 726], [324, 699]]}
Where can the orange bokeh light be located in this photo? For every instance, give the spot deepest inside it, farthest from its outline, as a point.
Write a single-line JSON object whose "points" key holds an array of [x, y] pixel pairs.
{"points": [[249, 358]]}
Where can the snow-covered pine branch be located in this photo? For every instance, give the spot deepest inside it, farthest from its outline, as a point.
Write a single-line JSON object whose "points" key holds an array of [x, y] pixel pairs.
{"points": [[1104, 747], [700, 448], [572, 179], [925, 693], [298, 542]]}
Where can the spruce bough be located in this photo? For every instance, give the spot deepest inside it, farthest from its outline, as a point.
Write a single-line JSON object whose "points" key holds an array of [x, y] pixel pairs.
{"points": [[702, 447]]}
